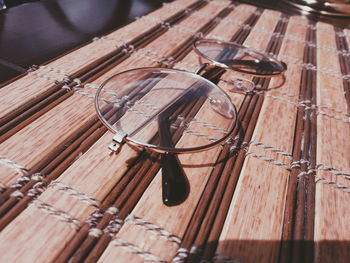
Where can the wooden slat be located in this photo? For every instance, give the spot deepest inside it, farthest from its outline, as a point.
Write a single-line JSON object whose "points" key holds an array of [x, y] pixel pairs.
{"points": [[191, 24], [41, 253], [254, 224], [332, 230], [37, 140], [241, 13]]}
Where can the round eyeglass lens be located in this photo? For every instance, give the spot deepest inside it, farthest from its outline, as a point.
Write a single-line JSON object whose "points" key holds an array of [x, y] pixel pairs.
{"points": [[166, 110], [236, 57]]}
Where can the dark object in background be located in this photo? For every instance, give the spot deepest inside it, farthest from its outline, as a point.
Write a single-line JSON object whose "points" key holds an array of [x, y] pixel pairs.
{"points": [[315, 10], [337, 8], [11, 3]]}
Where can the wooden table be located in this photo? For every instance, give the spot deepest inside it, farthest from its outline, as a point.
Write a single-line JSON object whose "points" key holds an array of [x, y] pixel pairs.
{"points": [[277, 192]]}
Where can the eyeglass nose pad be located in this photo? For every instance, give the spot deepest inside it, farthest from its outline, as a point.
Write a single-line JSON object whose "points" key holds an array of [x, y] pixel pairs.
{"points": [[222, 108], [216, 103], [240, 85]]}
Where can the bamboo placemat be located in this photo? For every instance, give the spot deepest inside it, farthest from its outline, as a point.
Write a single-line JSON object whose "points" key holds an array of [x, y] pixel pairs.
{"points": [[277, 191]]}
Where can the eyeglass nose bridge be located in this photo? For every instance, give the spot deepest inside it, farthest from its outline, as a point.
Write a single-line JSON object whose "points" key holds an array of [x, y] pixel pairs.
{"points": [[240, 85], [201, 68], [206, 66]]}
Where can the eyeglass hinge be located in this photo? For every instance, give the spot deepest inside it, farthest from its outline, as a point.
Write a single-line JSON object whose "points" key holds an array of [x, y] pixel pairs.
{"points": [[117, 142]]}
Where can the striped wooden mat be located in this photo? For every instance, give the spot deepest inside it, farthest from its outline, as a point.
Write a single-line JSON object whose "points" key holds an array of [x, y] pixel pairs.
{"points": [[276, 192]]}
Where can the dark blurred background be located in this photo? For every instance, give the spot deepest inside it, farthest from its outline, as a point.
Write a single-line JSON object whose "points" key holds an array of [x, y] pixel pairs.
{"points": [[32, 32]]}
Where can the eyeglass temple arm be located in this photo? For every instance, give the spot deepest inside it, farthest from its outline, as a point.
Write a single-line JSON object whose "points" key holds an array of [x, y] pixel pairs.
{"points": [[175, 186], [255, 64]]}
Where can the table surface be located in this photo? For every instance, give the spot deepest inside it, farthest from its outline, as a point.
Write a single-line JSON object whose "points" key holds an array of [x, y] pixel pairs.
{"points": [[277, 191]]}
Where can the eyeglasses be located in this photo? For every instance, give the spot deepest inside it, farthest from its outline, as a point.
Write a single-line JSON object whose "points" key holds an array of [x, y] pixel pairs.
{"points": [[172, 111]]}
